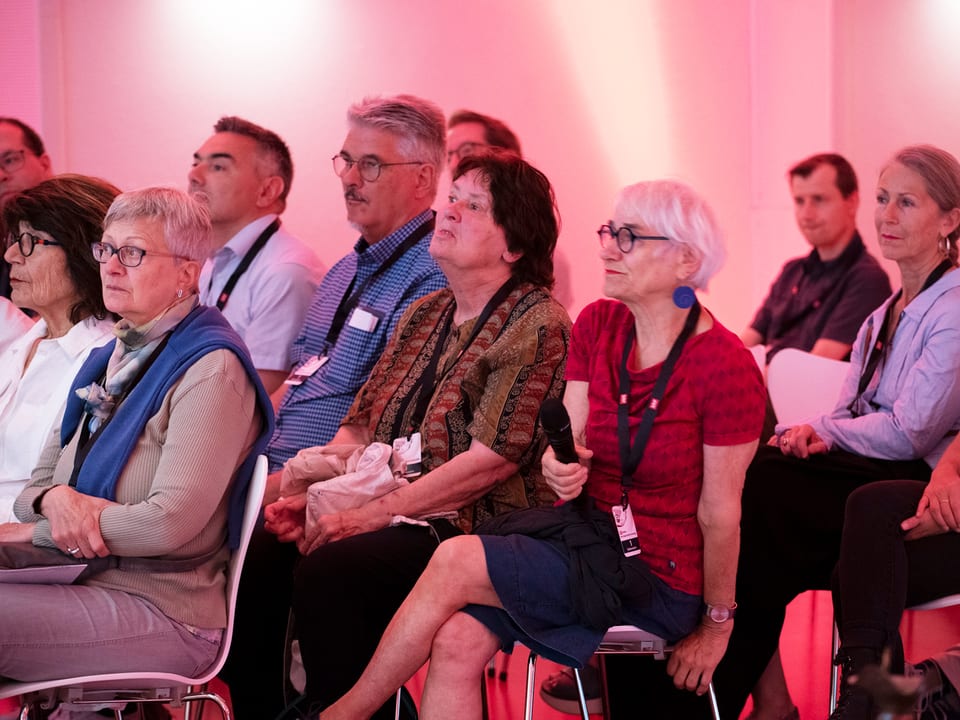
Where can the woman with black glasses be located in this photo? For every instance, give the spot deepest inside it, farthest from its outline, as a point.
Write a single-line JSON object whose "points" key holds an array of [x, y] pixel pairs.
{"points": [[49, 231]]}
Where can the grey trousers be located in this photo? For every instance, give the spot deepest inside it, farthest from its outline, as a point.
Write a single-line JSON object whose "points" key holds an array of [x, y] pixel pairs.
{"points": [[59, 631]]}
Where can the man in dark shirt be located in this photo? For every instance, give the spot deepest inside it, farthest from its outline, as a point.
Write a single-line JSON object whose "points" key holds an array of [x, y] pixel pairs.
{"points": [[818, 302]]}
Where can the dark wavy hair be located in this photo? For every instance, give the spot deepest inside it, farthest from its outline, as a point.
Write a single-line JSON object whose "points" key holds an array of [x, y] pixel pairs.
{"points": [[524, 206], [71, 209]]}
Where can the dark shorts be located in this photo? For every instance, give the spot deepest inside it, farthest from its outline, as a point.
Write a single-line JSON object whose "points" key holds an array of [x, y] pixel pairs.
{"points": [[531, 578]]}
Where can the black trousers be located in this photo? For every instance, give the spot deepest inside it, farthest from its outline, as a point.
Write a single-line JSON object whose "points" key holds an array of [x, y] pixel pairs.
{"points": [[880, 572], [793, 513], [344, 595], [255, 666]]}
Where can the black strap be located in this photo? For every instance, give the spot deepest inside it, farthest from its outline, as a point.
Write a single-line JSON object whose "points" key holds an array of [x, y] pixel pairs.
{"points": [[245, 263], [352, 296], [880, 339], [86, 441], [428, 381], [630, 457]]}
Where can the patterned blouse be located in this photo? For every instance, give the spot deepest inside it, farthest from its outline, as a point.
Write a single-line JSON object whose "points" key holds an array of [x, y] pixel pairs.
{"points": [[488, 389]]}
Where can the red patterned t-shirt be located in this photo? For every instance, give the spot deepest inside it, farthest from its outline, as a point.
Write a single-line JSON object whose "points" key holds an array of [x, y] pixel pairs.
{"points": [[715, 396]]}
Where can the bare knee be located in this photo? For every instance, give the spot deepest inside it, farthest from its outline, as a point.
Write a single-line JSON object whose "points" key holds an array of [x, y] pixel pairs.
{"points": [[464, 642], [458, 557]]}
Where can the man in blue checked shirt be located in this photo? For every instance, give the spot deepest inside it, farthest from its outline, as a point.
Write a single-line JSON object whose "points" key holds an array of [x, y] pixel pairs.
{"points": [[389, 166]]}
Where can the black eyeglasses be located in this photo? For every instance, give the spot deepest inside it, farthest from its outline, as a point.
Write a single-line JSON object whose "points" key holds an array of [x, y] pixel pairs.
{"points": [[368, 167], [12, 161], [463, 150], [624, 236], [28, 241], [128, 255]]}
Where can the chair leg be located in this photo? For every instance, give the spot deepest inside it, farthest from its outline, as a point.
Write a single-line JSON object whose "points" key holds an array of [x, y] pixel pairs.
{"points": [[604, 688], [396, 707], [712, 696], [531, 681], [834, 669], [580, 696]]}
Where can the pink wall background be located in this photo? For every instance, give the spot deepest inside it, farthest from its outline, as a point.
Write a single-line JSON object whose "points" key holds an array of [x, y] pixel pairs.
{"points": [[723, 95]]}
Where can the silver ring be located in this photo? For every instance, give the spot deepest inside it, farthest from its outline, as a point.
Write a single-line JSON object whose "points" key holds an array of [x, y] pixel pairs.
{"points": [[73, 551]]}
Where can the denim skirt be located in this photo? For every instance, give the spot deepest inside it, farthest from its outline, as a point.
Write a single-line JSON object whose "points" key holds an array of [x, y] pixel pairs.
{"points": [[531, 578]]}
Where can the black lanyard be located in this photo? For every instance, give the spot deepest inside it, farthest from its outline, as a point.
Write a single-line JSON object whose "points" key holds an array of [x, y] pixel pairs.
{"points": [[245, 263], [630, 457], [428, 381], [351, 297], [880, 341]]}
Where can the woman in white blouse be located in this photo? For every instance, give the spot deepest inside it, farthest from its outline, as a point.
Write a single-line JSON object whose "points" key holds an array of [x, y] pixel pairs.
{"points": [[49, 231]]}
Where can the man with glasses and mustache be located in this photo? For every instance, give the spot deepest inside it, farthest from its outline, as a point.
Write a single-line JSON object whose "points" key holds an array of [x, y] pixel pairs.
{"points": [[389, 166], [23, 164]]}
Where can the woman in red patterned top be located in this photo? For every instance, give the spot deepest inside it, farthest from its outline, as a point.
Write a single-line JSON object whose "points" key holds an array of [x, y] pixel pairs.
{"points": [[681, 488]]}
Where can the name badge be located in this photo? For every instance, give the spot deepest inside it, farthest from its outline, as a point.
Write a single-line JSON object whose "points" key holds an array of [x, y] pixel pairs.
{"points": [[408, 448], [306, 369], [363, 320], [626, 529]]}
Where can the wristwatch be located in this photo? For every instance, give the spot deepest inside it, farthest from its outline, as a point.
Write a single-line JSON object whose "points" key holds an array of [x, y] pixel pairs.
{"points": [[721, 613]]}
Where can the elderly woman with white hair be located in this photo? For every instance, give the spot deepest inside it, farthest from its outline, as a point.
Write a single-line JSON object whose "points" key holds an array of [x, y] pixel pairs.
{"points": [[666, 408], [151, 465]]}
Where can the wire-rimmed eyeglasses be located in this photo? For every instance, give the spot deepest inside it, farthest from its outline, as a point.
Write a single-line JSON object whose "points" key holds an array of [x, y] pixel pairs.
{"points": [[368, 167], [28, 241], [128, 255], [624, 236]]}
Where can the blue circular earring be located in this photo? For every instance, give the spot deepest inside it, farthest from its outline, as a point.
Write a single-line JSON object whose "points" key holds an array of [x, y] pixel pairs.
{"points": [[684, 297]]}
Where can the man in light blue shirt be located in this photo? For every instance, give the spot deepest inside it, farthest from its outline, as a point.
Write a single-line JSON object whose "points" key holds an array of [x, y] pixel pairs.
{"points": [[260, 276]]}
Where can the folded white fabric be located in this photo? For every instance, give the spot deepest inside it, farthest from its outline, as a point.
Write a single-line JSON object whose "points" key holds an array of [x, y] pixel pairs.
{"points": [[377, 472]]}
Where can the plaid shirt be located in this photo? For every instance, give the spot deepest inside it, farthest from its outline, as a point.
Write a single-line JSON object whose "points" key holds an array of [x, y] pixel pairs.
{"points": [[310, 413]]}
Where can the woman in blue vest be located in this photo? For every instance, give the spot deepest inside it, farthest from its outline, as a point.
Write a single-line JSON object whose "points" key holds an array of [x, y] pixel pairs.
{"points": [[150, 466]]}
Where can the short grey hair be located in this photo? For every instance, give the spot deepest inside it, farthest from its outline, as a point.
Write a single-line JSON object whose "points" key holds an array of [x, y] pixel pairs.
{"points": [[186, 223], [675, 210], [418, 124]]}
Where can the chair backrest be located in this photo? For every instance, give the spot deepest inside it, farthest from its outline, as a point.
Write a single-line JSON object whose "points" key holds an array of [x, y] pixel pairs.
{"points": [[251, 514], [802, 385]]}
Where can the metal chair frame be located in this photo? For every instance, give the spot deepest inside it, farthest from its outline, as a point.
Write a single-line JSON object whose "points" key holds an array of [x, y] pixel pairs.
{"points": [[619, 640]]}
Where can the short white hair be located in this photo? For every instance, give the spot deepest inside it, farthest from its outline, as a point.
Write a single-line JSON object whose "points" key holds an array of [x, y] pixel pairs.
{"points": [[674, 210]]}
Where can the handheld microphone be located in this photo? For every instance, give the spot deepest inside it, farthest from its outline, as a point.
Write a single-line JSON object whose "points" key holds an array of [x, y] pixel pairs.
{"points": [[555, 422]]}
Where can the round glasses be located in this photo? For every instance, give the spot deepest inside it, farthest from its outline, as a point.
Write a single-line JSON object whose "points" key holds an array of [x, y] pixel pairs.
{"points": [[128, 255], [12, 161], [625, 237], [464, 149], [28, 241], [368, 167]]}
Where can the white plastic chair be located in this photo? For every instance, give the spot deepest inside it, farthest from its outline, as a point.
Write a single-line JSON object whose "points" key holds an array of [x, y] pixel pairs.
{"points": [[619, 640], [116, 690], [802, 385], [943, 602]]}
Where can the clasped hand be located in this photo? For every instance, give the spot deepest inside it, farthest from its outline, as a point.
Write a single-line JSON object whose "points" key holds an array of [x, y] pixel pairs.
{"points": [[75, 521], [286, 518], [939, 508], [566, 479], [799, 441]]}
